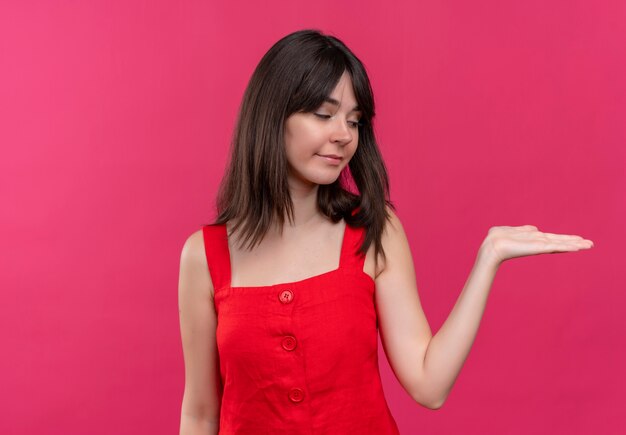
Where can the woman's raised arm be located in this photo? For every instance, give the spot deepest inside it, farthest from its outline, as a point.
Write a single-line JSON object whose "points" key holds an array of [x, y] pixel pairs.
{"points": [[427, 366], [200, 411]]}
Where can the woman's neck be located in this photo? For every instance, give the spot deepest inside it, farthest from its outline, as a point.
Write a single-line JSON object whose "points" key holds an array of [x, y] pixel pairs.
{"points": [[305, 212]]}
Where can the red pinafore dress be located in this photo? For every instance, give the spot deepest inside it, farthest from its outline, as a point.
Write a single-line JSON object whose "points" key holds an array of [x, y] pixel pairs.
{"points": [[299, 357]]}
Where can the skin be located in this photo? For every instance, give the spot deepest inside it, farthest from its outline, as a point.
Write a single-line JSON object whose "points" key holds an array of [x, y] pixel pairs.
{"points": [[426, 365]]}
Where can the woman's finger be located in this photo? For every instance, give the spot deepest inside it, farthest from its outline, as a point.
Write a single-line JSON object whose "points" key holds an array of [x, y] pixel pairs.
{"points": [[563, 236]]}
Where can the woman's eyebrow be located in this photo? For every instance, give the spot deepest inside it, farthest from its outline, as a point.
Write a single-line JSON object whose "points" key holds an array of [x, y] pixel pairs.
{"points": [[336, 103]]}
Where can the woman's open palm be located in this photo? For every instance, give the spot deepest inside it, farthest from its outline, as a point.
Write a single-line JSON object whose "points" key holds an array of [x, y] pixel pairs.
{"points": [[505, 242]]}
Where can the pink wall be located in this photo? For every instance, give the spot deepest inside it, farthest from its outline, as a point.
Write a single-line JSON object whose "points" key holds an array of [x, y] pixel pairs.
{"points": [[114, 122]]}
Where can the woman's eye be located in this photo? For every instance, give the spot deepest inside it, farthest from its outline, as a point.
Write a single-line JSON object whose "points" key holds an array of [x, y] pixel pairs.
{"points": [[353, 124], [356, 124]]}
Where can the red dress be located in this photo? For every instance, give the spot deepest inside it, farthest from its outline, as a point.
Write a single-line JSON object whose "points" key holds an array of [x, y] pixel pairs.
{"points": [[299, 357]]}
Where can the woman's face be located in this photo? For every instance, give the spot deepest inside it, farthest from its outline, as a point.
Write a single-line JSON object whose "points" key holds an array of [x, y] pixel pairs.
{"points": [[331, 130]]}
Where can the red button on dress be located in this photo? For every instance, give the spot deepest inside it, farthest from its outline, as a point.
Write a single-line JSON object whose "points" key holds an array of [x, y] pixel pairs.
{"points": [[328, 356], [289, 343], [285, 296], [296, 395]]}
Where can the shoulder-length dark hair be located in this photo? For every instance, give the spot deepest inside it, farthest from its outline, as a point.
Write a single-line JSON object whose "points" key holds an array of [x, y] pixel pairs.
{"points": [[296, 75]]}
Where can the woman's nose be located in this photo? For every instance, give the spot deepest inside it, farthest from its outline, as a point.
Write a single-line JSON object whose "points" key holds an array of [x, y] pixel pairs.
{"points": [[341, 130]]}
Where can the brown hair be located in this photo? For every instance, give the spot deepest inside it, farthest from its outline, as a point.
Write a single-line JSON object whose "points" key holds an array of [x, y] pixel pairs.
{"points": [[296, 75]]}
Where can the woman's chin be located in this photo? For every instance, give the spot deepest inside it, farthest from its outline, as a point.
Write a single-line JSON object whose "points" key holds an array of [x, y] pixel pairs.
{"points": [[313, 181]]}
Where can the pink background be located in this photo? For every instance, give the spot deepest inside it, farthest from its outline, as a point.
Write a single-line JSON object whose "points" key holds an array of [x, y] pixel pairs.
{"points": [[115, 118]]}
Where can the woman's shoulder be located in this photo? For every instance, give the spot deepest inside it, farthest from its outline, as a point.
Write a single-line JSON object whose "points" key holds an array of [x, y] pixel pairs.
{"points": [[393, 221], [392, 240], [194, 275], [193, 251], [200, 241]]}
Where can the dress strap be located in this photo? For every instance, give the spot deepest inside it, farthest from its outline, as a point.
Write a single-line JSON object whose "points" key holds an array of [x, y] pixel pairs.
{"points": [[217, 254], [352, 240]]}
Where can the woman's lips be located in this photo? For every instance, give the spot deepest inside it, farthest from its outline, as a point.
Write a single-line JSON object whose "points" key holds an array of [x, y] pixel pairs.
{"points": [[330, 158]]}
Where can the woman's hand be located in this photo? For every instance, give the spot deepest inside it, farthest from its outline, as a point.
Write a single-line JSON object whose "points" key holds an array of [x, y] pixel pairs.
{"points": [[503, 243]]}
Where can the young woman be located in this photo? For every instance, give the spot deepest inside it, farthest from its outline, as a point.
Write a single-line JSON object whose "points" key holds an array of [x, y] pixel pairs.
{"points": [[282, 297]]}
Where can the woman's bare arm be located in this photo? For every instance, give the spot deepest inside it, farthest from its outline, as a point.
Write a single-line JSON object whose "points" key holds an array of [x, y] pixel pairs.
{"points": [[427, 366], [200, 411]]}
